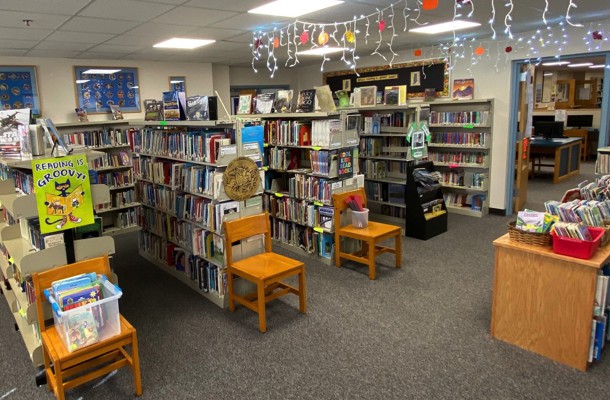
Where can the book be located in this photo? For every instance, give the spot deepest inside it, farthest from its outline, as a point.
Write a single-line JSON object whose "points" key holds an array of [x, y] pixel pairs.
{"points": [[89, 231], [245, 104], [82, 329], [283, 101], [343, 97], [324, 98], [368, 96], [197, 108], [81, 114], [171, 107], [306, 101], [391, 95], [153, 110], [429, 94], [116, 112], [326, 215], [263, 103], [463, 89]]}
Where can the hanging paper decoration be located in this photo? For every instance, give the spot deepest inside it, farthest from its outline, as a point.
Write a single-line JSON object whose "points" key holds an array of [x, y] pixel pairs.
{"points": [[597, 35], [429, 4], [323, 38], [257, 44], [479, 51], [304, 37], [350, 37], [276, 43], [381, 25], [508, 49], [417, 52]]}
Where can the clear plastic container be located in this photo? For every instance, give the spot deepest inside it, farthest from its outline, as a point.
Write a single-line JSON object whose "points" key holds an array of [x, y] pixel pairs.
{"points": [[360, 219]]}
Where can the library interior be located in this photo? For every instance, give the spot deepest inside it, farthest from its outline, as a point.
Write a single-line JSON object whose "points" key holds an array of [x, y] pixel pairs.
{"points": [[318, 200]]}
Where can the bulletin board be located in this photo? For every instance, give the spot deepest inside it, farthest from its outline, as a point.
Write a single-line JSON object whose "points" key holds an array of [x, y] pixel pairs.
{"points": [[19, 88], [417, 75], [96, 92]]}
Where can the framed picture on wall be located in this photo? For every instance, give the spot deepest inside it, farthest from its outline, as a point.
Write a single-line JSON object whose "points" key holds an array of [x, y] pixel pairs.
{"points": [[177, 84], [19, 88], [97, 88]]}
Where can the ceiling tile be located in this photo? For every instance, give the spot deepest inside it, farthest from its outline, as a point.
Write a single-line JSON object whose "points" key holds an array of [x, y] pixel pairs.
{"points": [[175, 2], [115, 48], [160, 31], [84, 24], [12, 52], [92, 55], [131, 40], [239, 6], [244, 38], [124, 9], [253, 21], [52, 53], [39, 21], [215, 33], [79, 37], [17, 44], [24, 33], [63, 7], [69, 46], [194, 16], [223, 46]]}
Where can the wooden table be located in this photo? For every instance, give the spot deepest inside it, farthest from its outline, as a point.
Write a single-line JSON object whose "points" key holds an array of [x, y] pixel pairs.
{"points": [[543, 302], [565, 153]]}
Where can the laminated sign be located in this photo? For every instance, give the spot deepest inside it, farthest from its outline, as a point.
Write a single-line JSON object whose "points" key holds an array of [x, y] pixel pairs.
{"points": [[418, 135], [63, 193]]}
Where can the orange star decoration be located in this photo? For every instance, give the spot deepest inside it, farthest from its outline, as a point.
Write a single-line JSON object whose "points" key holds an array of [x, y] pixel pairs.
{"points": [[430, 4], [323, 38], [417, 52], [276, 43], [350, 37], [479, 51]]}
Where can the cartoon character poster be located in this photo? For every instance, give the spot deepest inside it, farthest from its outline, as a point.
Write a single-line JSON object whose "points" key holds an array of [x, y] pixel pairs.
{"points": [[63, 193]]}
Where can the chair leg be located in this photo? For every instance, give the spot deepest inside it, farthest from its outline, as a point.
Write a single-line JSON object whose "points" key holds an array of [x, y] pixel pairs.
{"points": [[135, 367], [230, 288], [337, 252], [371, 253], [47, 366], [302, 292], [398, 247], [262, 322]]}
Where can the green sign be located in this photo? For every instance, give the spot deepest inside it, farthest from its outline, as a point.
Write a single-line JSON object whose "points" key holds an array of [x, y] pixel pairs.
{"points": [[418, 135], [63, 193]]}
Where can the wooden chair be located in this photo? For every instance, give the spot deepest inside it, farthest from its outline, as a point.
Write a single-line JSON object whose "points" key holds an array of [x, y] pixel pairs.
{"points": [[65, 370], [265, 270], [375, 232]]}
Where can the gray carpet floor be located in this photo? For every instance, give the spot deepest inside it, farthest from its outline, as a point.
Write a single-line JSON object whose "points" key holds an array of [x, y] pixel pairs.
{"points": [[418, 332]]}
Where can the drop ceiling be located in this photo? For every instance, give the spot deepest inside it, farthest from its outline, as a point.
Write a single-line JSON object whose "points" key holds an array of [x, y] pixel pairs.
{"points": [[127, 29]]}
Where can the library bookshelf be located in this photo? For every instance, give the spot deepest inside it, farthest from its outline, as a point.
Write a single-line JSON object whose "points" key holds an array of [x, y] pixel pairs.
{"points": [[426, 209], [602, 164]]}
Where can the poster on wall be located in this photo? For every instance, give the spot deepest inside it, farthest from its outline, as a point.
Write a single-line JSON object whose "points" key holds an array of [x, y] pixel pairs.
{"points": [[97, 88], [63, 193], [19, 88]]}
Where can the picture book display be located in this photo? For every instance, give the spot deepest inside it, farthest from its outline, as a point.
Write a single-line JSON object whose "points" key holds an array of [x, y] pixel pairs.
{"points": [[283, 101], [306, 101], [171, 106], [81, 114], [396, 95], [116, 112], [343, 97], [463, 89], [324, 98], [197, 108], [263, 103], [153, 110], [429, 94], [245, 104], [368, 96]]}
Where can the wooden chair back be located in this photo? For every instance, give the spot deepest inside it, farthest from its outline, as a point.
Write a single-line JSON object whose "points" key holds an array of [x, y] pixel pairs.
{"points": [[43, 280], [340, 205], [246, 227]]}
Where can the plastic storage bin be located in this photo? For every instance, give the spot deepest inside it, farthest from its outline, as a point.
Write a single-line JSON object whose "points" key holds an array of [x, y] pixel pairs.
{"points": [[360, 219], [90, 323], [578, 248]]}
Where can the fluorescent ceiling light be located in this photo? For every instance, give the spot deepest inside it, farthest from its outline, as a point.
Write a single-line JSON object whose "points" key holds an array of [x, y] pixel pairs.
{"points": [[135, 87], [580, 65], [548, 74], [183, 43], [293, 8], [176, 81], [100, 71], [445, 27], [598, 66], [319, 51], [554, 63], [82, 80]]}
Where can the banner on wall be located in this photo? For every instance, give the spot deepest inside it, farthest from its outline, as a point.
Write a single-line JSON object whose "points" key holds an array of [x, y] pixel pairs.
{"points": [[63, 193]]}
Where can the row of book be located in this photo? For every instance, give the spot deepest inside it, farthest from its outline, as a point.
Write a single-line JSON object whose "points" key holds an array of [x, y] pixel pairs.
{"points": [[602, 164], [474, 139], [299, 211], [30, 231], [311, 188], [99, 138], [200, 146], [601, 310], [472, 201], [111, 159], [574, 230], [23, 181], [397, 119], [118, 199], [284, 159], [322, 129], [459, 158], [384, 146], [114, 179], [373, 169], [302, 237], [127, 218], [474, 180], [596, 190], [589, 212], [386, 192], [287, 132], [459, 117], [324, 162]]}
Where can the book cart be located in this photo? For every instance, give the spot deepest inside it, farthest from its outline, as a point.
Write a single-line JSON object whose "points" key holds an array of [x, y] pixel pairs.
{"points": [[179, 169], [308, 157], [426, 212], [114, 139], [20, 256]]}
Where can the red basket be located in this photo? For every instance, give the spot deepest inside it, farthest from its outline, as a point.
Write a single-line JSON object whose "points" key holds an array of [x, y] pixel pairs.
{"points": [[576, 247]]}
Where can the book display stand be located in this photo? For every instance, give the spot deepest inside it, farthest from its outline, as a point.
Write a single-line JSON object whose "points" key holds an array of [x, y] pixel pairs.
{"points": [[426, 209]]}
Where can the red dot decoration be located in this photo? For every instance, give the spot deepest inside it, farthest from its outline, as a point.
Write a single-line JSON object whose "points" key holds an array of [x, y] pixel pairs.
{"points": [[429, 4], [597, 35], [479, 51], [508, 49], [304, 37], [257, 44], [381, 25], [417, 52], [276, 43]]}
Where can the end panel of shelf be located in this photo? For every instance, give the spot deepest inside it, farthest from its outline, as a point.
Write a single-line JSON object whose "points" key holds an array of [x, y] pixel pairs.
{"points": [[93, 247]]}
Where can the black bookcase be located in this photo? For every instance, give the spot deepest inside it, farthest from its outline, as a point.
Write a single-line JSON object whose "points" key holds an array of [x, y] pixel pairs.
{"points": [[426, 214]]}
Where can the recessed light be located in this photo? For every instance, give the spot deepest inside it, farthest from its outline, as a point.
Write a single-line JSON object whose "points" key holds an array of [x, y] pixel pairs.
{"points": [[548, 74], [100, 71], [82, 80], [597, 66], [183, 43], [176, 81], [320, 51], [445, 27], [586, 64], [555, 63], [292, 8]]}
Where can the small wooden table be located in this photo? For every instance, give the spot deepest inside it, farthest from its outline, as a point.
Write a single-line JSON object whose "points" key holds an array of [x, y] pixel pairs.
{"points": [[565, 152], [543, 302]]}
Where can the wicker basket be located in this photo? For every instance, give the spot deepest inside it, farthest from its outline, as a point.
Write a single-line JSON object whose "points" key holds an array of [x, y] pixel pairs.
{"points": [[538, 239], [606, 237]]}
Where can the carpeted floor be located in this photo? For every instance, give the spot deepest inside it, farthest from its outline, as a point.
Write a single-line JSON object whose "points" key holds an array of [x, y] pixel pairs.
{"points": [[419, 332]]}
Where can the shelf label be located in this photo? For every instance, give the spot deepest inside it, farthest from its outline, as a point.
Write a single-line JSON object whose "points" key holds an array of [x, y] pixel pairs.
{"points": [[265, 168], [468, 126], [162, 123], [318, 203], [318, 229], [453, 166], [316, 148], [22, 312], [279, 195], [11, 260], [266, 145]]}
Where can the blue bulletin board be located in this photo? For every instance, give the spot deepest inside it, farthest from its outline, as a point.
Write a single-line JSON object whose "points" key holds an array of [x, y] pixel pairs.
{"points": [[19, 88], [97, 91]]}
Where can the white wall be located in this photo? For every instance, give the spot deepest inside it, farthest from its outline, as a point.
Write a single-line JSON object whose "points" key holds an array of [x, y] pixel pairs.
{"points": [[57, 90], [245, 76], [222, 77]]}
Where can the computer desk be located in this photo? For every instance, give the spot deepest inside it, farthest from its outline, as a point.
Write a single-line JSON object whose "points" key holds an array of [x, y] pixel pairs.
{"points": [[564, 151]]}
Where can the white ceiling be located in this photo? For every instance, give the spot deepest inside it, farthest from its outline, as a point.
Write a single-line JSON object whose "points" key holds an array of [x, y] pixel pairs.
{"points": [[127, 29]]}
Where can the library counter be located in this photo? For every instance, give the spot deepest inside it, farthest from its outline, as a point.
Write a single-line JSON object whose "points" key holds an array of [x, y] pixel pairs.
{"points": [[565, 153]]}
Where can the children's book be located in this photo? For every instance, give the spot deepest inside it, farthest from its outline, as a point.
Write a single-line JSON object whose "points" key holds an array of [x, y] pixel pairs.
{"points": [[245, 104], [463, 89], [326, 214], [324, 98], [153, 110], [116, 112], [283, 101], [264, 103], [82, 329], [306, 101], [197, 108], [81, 114]]}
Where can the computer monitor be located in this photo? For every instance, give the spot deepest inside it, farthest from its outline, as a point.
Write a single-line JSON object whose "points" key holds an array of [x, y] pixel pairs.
{"points": [[549, 130], [542, 118], [580, 121]]}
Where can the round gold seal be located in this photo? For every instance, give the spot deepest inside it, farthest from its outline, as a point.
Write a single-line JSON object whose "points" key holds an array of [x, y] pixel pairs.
{"points": [[241, 179]]}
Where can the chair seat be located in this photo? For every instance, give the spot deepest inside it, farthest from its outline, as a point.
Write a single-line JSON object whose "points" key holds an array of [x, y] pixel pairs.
{"points": [[266, 265], [56, 344], [373, 230]]}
